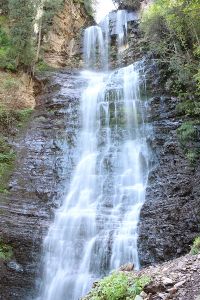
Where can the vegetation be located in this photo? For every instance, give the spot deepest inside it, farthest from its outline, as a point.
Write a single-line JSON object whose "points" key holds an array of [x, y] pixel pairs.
{"points": [[118, 286], [172, 31], [7, 157], [6, 251], [23, 23], [195, 248]]}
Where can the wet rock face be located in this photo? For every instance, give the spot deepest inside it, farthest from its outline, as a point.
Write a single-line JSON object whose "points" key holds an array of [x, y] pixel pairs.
{"points": [[170, 217], [45, 158]]}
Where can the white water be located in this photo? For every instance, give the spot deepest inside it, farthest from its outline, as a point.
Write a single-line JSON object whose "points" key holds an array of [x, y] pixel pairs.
{"points": [[121, 28], [95, 230]]}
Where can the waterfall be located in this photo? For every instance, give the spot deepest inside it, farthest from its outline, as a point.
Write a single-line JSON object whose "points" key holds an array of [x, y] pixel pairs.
{"points": [[121, 28], [95, 229]]}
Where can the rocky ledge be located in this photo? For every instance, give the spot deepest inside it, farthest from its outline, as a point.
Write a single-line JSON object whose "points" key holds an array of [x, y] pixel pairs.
{"points": [[177, 279]]}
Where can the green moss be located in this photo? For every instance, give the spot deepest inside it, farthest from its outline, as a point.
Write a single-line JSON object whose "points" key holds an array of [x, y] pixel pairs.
{"points": [[195, 248], [118, 286], [6, 251]]}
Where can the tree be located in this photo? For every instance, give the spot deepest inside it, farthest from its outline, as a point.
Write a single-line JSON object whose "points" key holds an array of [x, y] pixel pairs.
{"points": [[22, 16]]}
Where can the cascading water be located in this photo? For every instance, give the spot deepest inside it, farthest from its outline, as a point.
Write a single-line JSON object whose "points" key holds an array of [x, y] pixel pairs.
{"points": [[95, 229], [121, 28]]}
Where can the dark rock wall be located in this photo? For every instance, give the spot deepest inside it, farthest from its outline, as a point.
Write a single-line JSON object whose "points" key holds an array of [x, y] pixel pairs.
{"points": [[44, 164], [170, 218]]}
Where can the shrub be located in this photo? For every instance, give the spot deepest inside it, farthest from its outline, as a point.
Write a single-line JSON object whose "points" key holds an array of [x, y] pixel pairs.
{"points": [[187, 132], [118, 286], [195, 248], [138, 286]]}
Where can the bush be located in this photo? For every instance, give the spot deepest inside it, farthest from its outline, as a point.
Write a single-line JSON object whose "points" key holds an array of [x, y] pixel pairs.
{"points": [[118, 286], [195, 248], [187, 132], [172, 30], [6, 62]]}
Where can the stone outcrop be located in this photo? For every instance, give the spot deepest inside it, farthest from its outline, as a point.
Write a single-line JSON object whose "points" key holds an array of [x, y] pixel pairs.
{"points": [[64, 41]]}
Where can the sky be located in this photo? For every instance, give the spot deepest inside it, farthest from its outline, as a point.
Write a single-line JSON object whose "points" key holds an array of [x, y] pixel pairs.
{"points": [[103, 7]]}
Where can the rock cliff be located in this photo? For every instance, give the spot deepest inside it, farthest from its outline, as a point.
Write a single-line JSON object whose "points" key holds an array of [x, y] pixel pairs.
{"points": [[44, 163], [170, 217], [64, 41]]}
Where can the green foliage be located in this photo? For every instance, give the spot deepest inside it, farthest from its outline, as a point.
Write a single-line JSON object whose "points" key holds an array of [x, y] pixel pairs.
{"points": [[187, 132], [23, 115], [172, 29], [138, 286], [50, 9], [192, 155], [195, 248], [7, 158], [22, 16], [113, 287], [6, 62], [42, 66], [118, 286], [6, 251], [189, 108], [188, 135]]}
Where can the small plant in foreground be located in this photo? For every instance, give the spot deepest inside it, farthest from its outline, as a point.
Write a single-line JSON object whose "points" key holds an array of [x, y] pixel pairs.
{"points": [[195, 248], [118, 286]]}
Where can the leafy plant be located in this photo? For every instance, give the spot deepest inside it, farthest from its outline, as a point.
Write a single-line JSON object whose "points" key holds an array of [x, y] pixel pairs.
{"points": [[195, 248], [118, 286], [138, 286], [6, 251]]}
